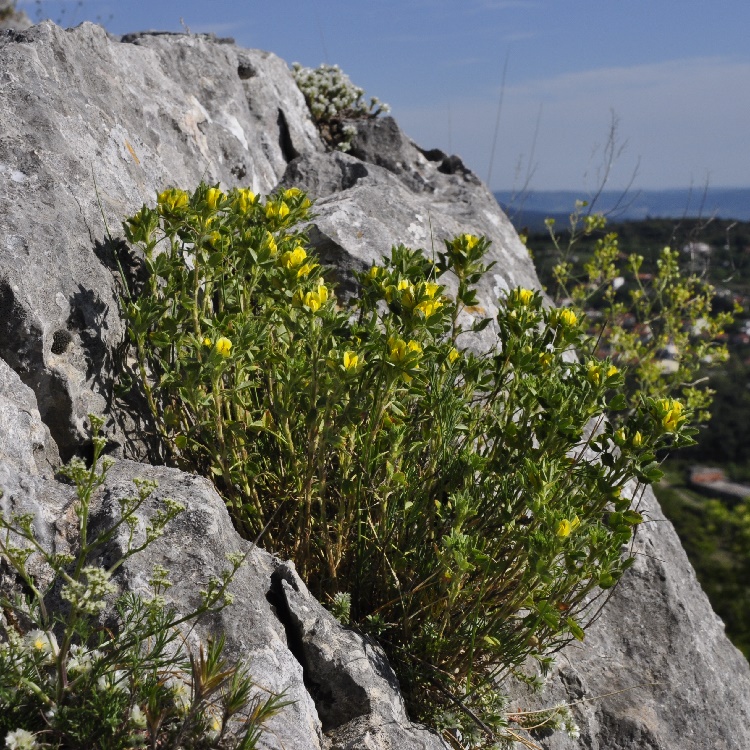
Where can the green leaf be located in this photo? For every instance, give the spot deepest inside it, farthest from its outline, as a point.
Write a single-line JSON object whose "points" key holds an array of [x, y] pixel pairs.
{"points": [[575, 629], [618, 403], [480, 325], [632, 517]]}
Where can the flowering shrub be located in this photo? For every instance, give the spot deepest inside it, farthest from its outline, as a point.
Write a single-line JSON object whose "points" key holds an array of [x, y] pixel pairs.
{"points": [[333, 99], [467, 509], [68, 682]]}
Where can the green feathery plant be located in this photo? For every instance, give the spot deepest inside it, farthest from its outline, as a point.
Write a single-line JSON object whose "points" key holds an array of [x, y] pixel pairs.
{"points": [[68, 681], [467, 509]]}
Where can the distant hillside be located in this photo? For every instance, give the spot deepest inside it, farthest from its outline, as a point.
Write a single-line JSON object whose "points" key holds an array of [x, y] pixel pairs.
{"points": [[531, 209]]}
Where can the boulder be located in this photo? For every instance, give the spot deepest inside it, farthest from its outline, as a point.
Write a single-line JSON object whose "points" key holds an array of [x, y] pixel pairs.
{"points": [[93, 127]]}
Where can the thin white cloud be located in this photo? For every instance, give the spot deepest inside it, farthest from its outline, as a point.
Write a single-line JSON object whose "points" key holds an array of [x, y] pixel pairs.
{"points": [[216, 28], [682, 119]]}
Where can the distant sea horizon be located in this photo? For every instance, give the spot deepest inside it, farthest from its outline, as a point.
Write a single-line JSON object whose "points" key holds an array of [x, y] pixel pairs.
{"points": [[531, 208]]}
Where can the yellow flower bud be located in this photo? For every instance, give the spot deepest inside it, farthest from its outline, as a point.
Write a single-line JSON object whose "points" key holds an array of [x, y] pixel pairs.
{"points": [[214, 196], [207, 341], [305, 270], [612, 371], [431, 289], [453, 355], [637, 439], [277, 210], [545, 359], [671, 412], [270, 243]]}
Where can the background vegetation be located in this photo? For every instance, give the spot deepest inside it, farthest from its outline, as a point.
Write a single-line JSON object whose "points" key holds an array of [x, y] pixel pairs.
{"points": [[712, 529]]}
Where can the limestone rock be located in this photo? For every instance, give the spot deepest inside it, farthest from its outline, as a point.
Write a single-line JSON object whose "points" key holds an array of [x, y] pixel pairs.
{"points": [[92, 129], [656, 671], [395, 194]]}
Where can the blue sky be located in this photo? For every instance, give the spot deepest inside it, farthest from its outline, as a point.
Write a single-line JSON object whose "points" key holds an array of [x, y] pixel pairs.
{"points": [[673, 74]]}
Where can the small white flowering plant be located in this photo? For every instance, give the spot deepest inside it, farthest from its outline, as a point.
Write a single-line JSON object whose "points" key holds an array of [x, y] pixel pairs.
{"points": [[333, 101], [83, 667]]}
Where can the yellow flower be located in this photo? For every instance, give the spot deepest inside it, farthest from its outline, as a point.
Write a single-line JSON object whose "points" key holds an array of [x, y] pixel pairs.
{"points": [[637, 439], [671, 414], [431, 289], [294, 258], [292, 192], [172, 199], [207, 341], [565, 527], [594, 373], [404, 284], [270, 243], [277, 210], [223, 346], [245, 199], [312, 301], [351, 360], [305, 270], [567, 317], [429, 307], [612, 371], [453, 355], [399, 349], [315, 300], [469, 240], [374, 272], [523, 296], [545, 359], [214, 196]]}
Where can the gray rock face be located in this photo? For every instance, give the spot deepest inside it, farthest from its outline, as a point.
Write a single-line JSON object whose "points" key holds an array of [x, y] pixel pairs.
{"points": [[92, 128], [388, 192], [656, 671]]}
